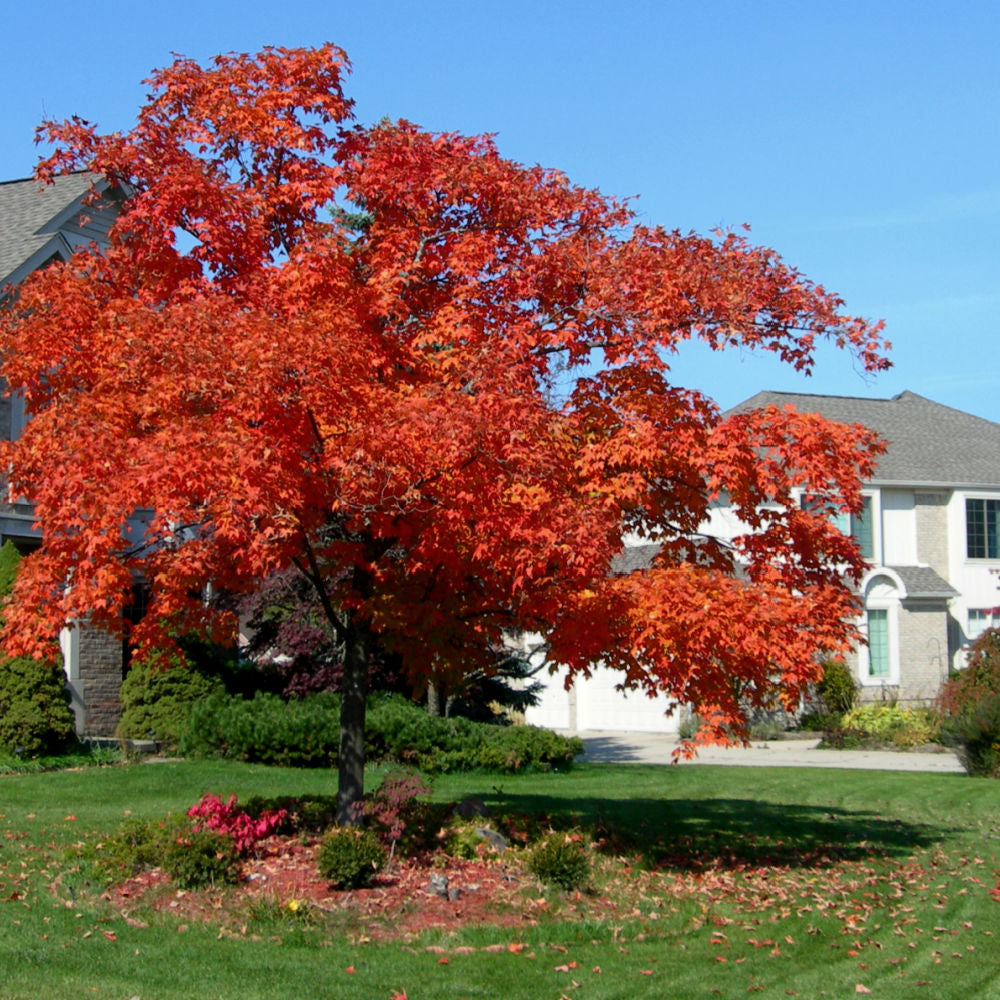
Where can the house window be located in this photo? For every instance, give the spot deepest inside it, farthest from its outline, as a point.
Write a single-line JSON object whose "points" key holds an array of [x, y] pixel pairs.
{"points": [[878, 642], [858, 526], [980, 619], [982, 529]]}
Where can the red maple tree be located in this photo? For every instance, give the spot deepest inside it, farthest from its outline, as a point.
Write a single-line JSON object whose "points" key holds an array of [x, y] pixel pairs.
{"points": [[434, 381]]}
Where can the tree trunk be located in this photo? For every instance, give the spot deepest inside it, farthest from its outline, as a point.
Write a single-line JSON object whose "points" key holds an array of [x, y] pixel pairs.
{"points": [[351, 762], [433, 699]]}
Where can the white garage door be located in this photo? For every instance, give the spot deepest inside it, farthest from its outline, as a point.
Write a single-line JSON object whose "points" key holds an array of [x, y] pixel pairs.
{"points": [[594, 703]]}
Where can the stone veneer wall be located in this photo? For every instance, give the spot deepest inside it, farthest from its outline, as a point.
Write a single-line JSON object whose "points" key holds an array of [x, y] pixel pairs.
{"points": [[923, 649], [100, 680], [932, 530], [923, 656]]}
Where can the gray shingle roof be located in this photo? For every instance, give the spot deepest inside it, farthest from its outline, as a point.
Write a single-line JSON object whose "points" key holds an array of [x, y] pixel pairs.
{"points": [[922, 581], [928, 444], [632, 558], [30, 217]]}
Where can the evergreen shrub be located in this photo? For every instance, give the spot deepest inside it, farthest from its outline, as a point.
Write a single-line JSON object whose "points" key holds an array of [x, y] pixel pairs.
{"points": [[265, 730], [305, 732], [201, 858], [157, 698], [350, 857], [35, 713], [561, 860]]}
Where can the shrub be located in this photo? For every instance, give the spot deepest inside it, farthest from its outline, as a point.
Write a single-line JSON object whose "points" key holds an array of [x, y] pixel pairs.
{"points": [[462, 840], [818, 722], [399, 808], [135, 846], [265, 730], [969, 707], [689, 726], [837, 687], [303, 813], [399, 730], [521, 748], [201, 858], [888, 723], [157, 699], [34, 708], [305, 733], [228, 819], [349, 857], [561, 860], [978, 682], [975, 736]]}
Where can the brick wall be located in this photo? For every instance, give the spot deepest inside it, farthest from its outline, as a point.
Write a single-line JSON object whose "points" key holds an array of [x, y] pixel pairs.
{"points": [[100, 680], [923, 655], [923, 650], [932, 530]]}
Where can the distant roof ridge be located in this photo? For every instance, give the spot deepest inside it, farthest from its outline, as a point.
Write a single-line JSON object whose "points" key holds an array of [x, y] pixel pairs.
{"points": [[930, 444], [898, 397], [829, 395], [32, 177]]}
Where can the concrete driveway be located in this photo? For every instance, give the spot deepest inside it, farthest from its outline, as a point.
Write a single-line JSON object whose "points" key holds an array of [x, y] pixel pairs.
{"points": [[654, 748]]}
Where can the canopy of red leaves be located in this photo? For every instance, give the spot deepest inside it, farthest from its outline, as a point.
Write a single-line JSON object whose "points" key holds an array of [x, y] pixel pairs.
{"points": [[436, 381]]}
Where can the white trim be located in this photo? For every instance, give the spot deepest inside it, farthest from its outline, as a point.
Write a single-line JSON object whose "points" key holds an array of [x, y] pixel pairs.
{"points": [[890, 604]]}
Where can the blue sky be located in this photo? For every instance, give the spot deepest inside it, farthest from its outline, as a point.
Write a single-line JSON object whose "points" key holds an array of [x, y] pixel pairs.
{"points": [[859, 140]]}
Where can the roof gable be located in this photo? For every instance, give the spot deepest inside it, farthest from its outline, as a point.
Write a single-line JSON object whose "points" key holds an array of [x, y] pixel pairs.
{"points": [[928, 444], [38, 222]]}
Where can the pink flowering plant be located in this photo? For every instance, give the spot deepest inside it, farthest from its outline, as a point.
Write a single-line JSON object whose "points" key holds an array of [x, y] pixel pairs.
{"points": [[227, 818]]}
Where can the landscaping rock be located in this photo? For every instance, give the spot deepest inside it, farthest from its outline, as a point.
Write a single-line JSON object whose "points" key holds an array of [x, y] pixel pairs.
{"points": [[471, 808], [496, 840]]}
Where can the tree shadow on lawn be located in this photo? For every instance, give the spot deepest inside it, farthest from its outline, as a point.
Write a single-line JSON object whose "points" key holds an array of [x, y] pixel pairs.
{"points": [[725, 832]]}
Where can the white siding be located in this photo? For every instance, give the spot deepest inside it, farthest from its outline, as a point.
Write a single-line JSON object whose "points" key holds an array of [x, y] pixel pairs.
{"points": [[899, 529]]}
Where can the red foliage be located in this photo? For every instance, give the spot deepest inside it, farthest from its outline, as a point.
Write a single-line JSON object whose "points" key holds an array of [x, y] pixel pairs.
{"points": [[447, 404], [225, 817]]}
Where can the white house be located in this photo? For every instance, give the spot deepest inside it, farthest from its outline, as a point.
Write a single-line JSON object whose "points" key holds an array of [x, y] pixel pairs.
{"points": [[930, 532]]}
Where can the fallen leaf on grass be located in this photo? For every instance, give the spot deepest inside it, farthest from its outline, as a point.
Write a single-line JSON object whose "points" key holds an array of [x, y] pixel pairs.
{"points": [[861, 989]]}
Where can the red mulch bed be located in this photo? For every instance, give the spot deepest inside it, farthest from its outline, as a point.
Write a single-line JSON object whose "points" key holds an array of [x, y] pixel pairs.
{"points": [[399, 904]]}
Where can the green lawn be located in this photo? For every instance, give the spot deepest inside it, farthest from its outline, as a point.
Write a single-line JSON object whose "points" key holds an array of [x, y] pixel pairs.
{"points": [[770, 882]]}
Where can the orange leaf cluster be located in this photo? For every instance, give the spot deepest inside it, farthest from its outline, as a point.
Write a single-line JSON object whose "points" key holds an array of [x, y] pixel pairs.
{"points": [[436, 381]]}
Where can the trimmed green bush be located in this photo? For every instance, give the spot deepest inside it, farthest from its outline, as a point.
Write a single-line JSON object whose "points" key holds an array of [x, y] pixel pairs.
{"points": [[398, 730], [561, 860], [201, 858], [818, 722], [34, 704], [158, 697], [10, 559], [305, 732], [837, 688], [350, 857], [34, 708], [265, 730], [522, 748]]}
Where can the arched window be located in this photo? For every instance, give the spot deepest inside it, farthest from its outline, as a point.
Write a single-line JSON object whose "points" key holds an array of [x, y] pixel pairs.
{"points": [[879, 660]]}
